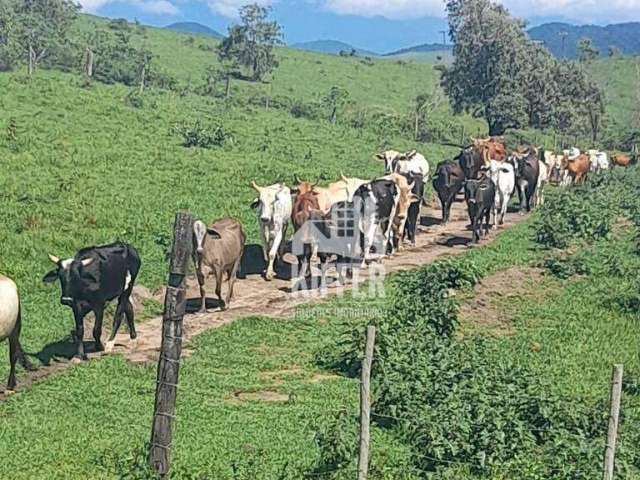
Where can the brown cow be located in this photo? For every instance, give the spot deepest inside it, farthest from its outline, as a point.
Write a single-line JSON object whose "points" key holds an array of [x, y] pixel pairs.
{"points": [[578, 167], [405, 199], [306, 217], [621, 160], [491, 148], [217, 249], [326, 197]]}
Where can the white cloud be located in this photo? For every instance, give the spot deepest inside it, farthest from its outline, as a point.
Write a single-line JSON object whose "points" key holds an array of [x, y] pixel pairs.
{"points": [[159, 7], [582, 10], [387, 8], [229, 8], [155, 7]]}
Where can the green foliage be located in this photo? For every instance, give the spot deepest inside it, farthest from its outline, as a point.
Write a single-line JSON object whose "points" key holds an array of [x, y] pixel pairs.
{"points": [[34, 30], [567, 217], [251, 43], [201, 134], [564, 267], [587, 51]]}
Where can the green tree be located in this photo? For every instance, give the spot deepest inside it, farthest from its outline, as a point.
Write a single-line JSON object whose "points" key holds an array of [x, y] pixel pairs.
{"points": [[539, 86], [41, 28], [488, 69], [251, 44], [335, 100], [423, 105], [613, 51], [587, 51]]}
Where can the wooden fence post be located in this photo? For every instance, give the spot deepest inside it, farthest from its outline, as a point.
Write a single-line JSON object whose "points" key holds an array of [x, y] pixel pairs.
{"points": [[365, 404], [614, 413], [169, 361]]}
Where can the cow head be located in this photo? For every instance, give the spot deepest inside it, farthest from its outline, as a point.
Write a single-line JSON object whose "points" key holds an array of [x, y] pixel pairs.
{"points": [[200, 235], [66, 271], [406, 198], [471, 162], [390, 159], [267, 199], [474, 188]]}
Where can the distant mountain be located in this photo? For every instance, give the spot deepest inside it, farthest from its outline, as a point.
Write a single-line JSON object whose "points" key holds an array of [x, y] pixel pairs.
{"points": [[333, 47], [624, 36], [194, 28], [424, 48]]}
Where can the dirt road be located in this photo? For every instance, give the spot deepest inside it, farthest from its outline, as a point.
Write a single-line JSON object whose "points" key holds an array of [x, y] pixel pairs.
{"points": [[255, 296]]}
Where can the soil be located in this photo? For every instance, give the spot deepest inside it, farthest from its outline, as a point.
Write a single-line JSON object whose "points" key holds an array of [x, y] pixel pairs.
{"points": [[493, 305], [256, 297]]}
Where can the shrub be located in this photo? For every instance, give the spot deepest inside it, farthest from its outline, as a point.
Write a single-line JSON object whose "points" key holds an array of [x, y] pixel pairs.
{"points": [[201, 135]]}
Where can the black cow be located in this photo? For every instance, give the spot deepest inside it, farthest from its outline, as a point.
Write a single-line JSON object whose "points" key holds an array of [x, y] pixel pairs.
{"points": [[93, 277], [479, 195], [527, 169], [447, 182], [378, 201], [413, 214], [471, 162]]}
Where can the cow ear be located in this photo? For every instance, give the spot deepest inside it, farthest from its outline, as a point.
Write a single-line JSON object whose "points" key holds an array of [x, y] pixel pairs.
{"points": [[213, 233], [414, 198], [255, 203], [379, 156], [50, 277]]}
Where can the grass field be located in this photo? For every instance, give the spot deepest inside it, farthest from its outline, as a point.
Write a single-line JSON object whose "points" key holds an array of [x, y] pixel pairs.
{"points": [[82, 166]]}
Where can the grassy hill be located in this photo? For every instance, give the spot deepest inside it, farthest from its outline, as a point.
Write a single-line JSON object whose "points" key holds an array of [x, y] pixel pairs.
{"points": [[193, 28], [333, 47], [86, 165]]}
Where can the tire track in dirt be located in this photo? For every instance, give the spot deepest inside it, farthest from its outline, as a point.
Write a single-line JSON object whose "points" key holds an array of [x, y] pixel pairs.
{"points": [[256, 297]]}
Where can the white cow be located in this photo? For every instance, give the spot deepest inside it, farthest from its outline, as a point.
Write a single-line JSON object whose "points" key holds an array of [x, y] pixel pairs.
{"points": [[599, 160], [10, 323], [543, 179], [504, 177], [404, 163], [274, 212]]}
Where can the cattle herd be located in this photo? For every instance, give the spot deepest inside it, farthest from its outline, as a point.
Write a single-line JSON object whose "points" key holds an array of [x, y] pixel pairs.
{"points": [[353, 222]]}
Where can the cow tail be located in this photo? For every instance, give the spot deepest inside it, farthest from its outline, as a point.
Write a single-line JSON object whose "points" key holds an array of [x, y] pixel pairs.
{"points": [[22, 358]]}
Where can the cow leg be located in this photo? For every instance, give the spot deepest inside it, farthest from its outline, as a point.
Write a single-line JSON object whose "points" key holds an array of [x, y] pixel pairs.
{"points": [[117, 320], [264, 236], [487, 221], [78, 315], [233, 275], [203, 293], [97, 326], [323, 271], [129, 315], [219, 274], [275, 247]]}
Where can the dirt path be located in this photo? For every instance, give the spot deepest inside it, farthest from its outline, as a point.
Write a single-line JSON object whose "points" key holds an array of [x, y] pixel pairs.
{"points": [[254, 296]]}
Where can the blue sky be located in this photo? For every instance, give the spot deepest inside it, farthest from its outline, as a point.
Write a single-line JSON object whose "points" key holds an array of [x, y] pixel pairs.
{"points": [[379, 25]]}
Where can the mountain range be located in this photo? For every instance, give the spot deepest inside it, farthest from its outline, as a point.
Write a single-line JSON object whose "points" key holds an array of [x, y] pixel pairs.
{"points": [[194, 28], [560, 38], [624, 36]]}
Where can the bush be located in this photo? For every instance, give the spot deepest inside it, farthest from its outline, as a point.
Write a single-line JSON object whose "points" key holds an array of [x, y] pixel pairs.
{"points": [[201, 135]]}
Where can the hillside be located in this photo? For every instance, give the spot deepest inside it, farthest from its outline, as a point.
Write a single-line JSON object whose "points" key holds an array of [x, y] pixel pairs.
{"points": [[193, 28], [424, 48], [522, 379], [333, 47], [624, 36]]}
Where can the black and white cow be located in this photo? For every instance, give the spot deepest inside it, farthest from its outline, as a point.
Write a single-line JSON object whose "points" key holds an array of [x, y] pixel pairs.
{"points": [[377, 202], [93, 277], [413, 214], [527, 170], [447, 182], [480, 195]]}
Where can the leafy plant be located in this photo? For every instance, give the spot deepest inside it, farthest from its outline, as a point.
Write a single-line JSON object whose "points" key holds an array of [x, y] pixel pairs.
{"points": [[202, 135]]}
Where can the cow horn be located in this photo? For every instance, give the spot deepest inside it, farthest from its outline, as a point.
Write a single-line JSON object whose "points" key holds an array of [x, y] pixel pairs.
{"points": [[87, 261], [54, 259], [344, 179], [316, 184], [255, 186], [296, 179]]}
